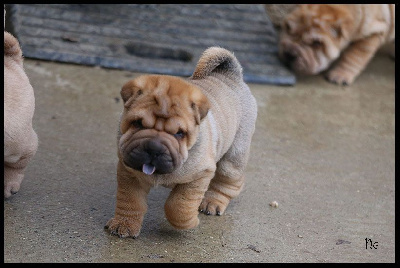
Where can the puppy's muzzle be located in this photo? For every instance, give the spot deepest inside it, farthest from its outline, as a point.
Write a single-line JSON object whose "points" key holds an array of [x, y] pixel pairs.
{"points": [[150, 156]]}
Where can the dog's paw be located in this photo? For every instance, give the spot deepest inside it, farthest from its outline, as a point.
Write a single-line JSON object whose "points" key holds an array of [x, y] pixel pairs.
{"points": [[340, 77], [212, 206], [123, 227], [11, 188]]}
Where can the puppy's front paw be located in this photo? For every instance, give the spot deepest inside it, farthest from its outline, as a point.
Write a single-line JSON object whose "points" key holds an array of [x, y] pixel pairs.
{"points": [[11, 188], [12, 181], [340, 76], [123, 227], [212, 206]]}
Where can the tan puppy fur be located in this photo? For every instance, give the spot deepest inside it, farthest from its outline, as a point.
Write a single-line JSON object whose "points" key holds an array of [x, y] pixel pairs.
{"points": [[20, 140], [192, 135], [313, 36]]}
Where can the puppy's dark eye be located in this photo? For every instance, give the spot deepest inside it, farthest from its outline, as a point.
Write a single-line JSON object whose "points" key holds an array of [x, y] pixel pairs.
{"points": [[180, 134], [316, 44], [137, 123]]}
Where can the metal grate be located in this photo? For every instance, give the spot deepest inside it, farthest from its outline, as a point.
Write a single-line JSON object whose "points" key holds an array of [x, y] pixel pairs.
{"points": [[151, 38]]}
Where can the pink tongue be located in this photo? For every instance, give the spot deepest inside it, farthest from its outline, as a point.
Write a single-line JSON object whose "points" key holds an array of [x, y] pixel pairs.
{"points": [[148, 169]]}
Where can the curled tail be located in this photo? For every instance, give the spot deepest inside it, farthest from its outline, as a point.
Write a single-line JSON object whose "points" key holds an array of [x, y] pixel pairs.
{"points": [[11, 47], [217, 60]]}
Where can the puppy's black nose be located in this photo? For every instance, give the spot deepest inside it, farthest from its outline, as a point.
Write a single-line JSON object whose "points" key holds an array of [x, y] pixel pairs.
{"points": [[289, 57], [154, 148]]}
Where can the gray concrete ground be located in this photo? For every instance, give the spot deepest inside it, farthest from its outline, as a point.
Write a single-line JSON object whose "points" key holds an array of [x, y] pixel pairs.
{"points": [[325, 153]]}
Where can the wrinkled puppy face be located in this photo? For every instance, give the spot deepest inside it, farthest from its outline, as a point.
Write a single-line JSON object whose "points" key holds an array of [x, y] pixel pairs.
{"points": [[312, 37], [160, 122]]}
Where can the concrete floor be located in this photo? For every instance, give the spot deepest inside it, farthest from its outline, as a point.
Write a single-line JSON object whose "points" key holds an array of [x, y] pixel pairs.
{"points": [[325, 153]]}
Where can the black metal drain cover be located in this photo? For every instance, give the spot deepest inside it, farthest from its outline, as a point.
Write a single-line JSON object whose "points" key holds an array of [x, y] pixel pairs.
{"points": [[150, 38]]}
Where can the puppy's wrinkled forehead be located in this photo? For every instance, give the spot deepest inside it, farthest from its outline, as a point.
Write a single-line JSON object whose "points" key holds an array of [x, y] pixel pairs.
{"points": [[167, 91], [164, 85], [165, 96], [314, 18]]}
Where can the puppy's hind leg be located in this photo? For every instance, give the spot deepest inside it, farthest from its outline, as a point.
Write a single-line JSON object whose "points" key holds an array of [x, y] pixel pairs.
{"points": [[226, 184]]}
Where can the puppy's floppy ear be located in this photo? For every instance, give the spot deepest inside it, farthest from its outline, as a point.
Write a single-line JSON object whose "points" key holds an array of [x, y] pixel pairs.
{"points": [[338, 30], [129, 92], [342, 26], [126, 92], [200, 106]]}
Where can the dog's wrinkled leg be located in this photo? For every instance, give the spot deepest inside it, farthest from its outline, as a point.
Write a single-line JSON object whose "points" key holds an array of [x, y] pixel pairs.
{"points": [[16, 162], [354, 59], [222, 190], [131, 205], [226, 184], [181, 207]]}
